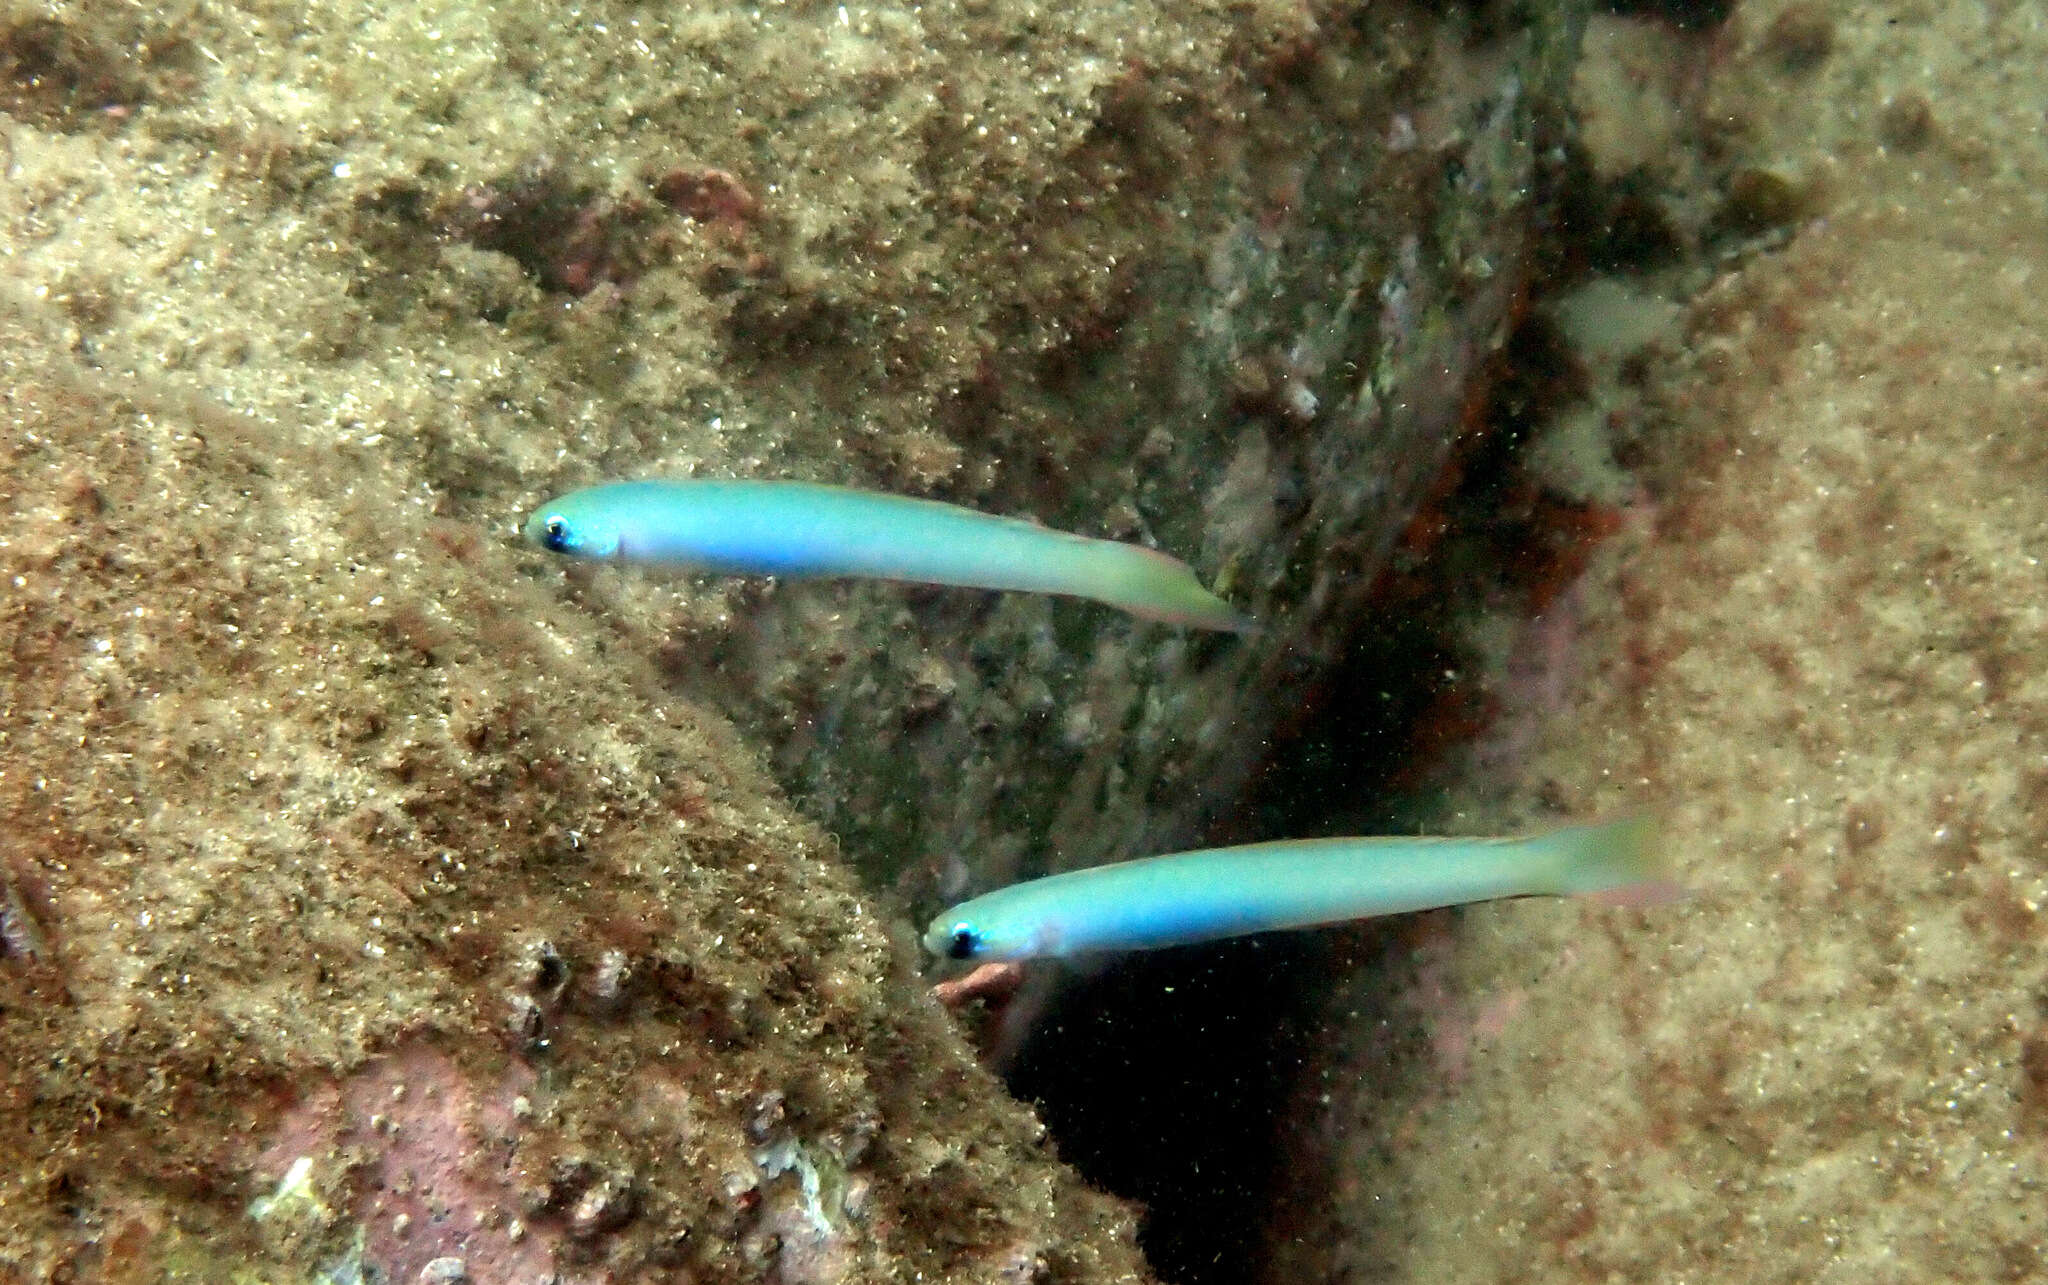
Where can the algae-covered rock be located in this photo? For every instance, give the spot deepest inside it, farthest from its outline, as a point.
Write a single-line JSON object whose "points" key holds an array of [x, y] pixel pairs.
{"points": [[365, 908], [380, 895]]}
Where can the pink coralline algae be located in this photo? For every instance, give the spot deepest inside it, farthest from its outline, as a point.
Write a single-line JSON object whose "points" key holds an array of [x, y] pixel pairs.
{"points": [[422, 1159]]}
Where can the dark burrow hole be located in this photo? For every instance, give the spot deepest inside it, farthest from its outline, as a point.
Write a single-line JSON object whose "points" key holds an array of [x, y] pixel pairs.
{"points": [[1166, 1077]]}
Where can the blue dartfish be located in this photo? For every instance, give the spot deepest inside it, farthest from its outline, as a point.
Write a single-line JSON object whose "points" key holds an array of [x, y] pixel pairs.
{"points": [[808, 529], [1187, 897]]}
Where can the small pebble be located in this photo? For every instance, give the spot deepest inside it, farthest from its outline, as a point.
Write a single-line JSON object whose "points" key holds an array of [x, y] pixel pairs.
{"points": [[20, 935], [766, 1117], [542, 970], [526, 1022], [604, 1206], [444, 1271], [608, 984], [1025, 1265]]}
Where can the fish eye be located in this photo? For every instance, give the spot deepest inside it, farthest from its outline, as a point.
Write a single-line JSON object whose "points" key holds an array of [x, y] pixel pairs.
{"points": [[554, 532], [963, 942]]}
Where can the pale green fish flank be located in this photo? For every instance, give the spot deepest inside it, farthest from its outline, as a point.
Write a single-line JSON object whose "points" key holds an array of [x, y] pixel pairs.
{"points": [[1187, 897], [808, 529]]}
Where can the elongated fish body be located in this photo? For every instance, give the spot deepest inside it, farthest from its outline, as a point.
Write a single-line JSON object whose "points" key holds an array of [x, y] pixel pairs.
{"points": [[806, 529], [1188, 897]]}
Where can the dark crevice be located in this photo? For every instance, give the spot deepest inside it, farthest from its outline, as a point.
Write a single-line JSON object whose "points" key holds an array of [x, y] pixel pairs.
{"points": [[1164, 1077]]}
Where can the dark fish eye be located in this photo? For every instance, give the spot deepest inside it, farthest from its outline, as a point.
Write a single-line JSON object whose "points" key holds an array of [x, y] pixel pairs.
{"points": [[965, 943], [555, 532]]}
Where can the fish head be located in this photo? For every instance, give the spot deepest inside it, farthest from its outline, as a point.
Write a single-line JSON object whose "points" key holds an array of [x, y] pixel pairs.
{"points": [[955, 935], [560, 528], [951, 938]]}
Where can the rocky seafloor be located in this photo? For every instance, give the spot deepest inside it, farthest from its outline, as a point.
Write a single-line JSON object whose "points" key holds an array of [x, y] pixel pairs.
{"points": [[383, 900], [1818, 647]]}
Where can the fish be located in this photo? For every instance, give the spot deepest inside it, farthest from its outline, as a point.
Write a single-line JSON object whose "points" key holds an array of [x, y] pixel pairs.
{"points": [[808, 529], [1182, 898]]}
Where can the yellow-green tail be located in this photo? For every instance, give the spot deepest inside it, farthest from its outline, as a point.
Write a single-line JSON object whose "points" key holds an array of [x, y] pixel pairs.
{"points": [[1155, 586], [1619, 860]]}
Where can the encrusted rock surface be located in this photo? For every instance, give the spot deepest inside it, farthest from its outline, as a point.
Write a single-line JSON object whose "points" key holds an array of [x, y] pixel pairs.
{"points": [[380, 918], [381, 894], [1819, 648]]}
